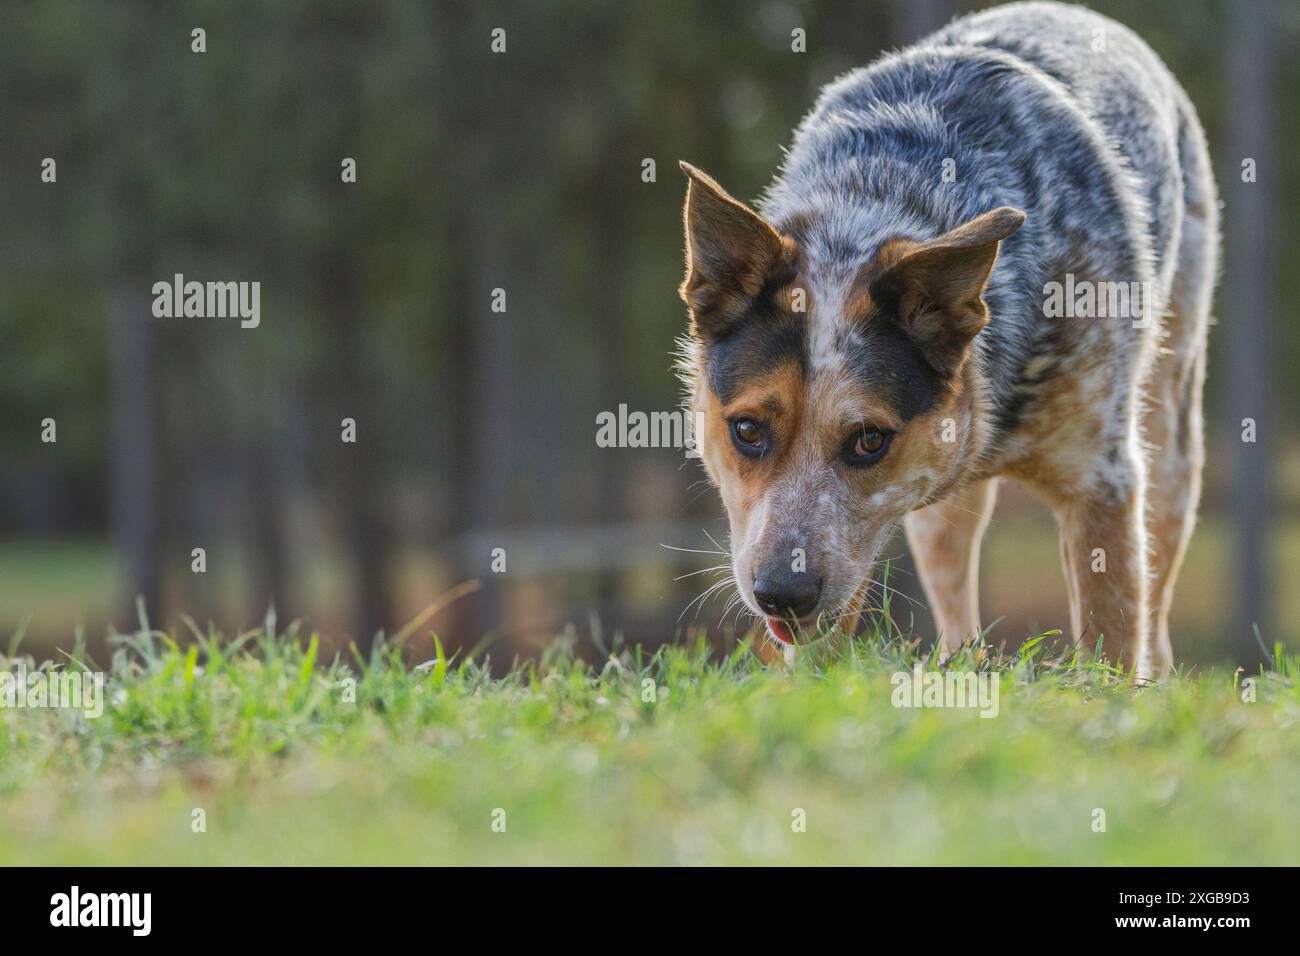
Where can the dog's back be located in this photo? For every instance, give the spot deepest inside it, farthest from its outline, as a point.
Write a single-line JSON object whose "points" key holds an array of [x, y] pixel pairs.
{"points": [[1050, 108], [1119, 83]]}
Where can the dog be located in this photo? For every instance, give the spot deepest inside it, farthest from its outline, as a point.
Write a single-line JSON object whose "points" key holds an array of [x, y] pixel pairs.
{"points": [[883, 338]]}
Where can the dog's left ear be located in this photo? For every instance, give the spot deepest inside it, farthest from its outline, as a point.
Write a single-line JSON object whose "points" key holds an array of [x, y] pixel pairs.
{"points": [[936, 289]]}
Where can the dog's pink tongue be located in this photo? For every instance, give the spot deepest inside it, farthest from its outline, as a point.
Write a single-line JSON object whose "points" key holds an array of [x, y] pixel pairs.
{"points": [[781, 629]]}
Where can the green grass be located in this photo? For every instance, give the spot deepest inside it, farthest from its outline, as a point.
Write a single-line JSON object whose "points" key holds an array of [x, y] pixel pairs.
{"points": [[53, 586], [258, 734]]}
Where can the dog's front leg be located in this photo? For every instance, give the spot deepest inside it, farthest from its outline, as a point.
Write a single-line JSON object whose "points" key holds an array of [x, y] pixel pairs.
{"points": [[1102, 549], [945, 542]]}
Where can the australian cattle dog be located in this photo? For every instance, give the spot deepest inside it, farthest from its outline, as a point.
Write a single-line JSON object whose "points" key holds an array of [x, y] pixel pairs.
{"points": [[991, 253]]}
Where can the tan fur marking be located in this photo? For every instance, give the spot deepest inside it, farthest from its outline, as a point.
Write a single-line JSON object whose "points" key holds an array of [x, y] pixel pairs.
{"points": [[775, 398], [890, 253], [1110, 605]]}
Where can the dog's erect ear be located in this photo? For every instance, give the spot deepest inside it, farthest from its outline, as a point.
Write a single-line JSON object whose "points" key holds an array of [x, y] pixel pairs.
{"points": [[936, 287], [730, 253]]}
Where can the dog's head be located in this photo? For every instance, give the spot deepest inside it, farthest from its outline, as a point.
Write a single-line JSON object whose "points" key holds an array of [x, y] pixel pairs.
{"points": [[835, 396]]}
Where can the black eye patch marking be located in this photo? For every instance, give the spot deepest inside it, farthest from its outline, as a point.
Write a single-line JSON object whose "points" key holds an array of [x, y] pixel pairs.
{"points": [[754, 346], [888, 364], [891, 367]]}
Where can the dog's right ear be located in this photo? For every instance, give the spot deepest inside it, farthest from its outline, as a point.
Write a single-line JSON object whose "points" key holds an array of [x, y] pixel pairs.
{"points": [[730, 253]]}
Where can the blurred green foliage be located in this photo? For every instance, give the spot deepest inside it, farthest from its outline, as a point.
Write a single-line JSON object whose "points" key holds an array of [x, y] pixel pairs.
{"points": [[477, 170]]}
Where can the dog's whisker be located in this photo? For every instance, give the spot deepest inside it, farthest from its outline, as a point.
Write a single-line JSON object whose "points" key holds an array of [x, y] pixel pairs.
{"points": [[713, 570], [672, 547], [702, 597], [894, 592], [726, 551]]}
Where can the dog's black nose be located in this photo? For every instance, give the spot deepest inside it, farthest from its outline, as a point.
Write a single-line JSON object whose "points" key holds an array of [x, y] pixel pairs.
{"points": [[787, 593]]}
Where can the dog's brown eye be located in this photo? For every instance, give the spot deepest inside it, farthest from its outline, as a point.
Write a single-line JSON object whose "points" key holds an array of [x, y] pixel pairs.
{"points": [[867, 446], [750, 437], [869, 442]]}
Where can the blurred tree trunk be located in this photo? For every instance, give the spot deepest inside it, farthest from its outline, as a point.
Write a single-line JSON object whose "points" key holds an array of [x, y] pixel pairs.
{"points": [[1249, 303], [350, 323], [609, 185], [133, 479], [272, 475], [487, 404], [264, 476], [610, 314], [463, 618], [363, 525], [480, 169]]}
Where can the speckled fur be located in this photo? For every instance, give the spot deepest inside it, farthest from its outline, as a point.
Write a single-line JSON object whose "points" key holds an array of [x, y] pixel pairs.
{"points": [[1103, 152]]}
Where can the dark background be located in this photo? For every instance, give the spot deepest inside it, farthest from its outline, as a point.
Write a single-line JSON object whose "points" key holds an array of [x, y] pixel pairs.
{"points": [[476, 430]]}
